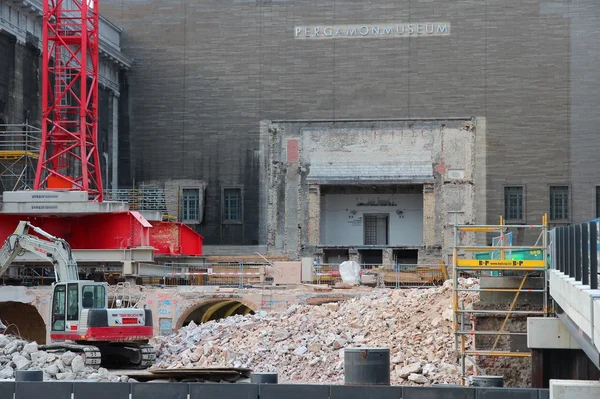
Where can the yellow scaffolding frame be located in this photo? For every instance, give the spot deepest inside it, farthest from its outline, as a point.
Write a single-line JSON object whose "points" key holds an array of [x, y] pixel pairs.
{"points": [[502, 264], [19, 151]]}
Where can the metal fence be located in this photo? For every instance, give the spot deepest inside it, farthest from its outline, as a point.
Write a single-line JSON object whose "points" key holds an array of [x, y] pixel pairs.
{"points": [[210, 274], [395, 276], [182, 390]]}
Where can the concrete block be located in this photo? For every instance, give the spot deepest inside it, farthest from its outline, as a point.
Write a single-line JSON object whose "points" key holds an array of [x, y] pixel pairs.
{"points": [[287, 272], [44, 196], [549, 333], [307, 269], [569, 389], [596, 314]]}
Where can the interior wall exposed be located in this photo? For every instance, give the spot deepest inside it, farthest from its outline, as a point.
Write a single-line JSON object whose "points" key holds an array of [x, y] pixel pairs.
{"points": [[344, 218]]}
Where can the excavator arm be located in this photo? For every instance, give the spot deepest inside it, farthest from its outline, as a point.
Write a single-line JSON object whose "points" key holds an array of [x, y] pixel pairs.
{"points": [[56, 250]]}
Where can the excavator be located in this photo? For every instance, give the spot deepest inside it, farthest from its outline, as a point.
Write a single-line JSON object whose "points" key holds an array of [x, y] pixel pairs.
{"points": [[80, 318]]}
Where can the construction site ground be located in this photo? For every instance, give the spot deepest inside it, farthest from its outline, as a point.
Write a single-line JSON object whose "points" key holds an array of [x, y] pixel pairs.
{"points": [[299, 332]]}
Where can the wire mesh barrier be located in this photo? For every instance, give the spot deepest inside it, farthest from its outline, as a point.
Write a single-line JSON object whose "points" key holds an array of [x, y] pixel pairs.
{"points": [[395, 276], [209, 274]]}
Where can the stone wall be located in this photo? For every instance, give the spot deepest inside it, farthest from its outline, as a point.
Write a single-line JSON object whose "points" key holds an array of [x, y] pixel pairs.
{"points": [[305, 157]]}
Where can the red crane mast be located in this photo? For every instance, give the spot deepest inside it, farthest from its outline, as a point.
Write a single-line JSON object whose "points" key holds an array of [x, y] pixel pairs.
{"points": [[69, 157]]}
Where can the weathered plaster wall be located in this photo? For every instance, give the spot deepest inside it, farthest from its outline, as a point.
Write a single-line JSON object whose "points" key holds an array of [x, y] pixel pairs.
{"points": [[438, 155], [170, 306], [342, 217]]}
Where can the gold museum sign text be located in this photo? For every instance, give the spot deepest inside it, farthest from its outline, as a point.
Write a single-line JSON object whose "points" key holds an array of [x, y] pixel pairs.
{"points": [[395, 30]]}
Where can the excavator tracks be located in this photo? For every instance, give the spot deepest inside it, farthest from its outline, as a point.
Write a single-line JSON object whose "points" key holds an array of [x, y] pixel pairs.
{"points": [[92, 357], [113, 355], [148, 355]]}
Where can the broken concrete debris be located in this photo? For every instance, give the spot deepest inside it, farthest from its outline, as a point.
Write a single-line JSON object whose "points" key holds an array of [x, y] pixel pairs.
{"points": [[306, 343], [18, 354]]}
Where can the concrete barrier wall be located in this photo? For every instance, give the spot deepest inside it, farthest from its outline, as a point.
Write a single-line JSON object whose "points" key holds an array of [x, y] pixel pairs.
{"points": [[96, 390], [579, 302]]}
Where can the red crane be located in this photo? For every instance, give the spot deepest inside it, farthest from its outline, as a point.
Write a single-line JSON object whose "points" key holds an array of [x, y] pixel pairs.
{"points": [[69, 157]]}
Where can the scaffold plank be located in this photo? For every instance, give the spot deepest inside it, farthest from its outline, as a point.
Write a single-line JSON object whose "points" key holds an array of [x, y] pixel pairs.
{"points": [[498, 353], [497, 263]]}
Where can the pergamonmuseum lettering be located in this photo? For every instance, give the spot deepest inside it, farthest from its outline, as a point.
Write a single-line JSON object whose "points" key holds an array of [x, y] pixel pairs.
{"points": [[394, 30]]}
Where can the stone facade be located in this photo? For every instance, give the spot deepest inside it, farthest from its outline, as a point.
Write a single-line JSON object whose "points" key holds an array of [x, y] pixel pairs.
{"points": [[432, 158], [208, 72]]}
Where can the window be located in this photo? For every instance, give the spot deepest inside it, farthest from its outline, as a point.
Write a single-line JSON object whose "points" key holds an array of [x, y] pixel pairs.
{"points": [[598, 201], [232, 205], [191, 204], [376, 229], [93, 296], [513, 203], [72, 302], [559, 203], [58, 308]]}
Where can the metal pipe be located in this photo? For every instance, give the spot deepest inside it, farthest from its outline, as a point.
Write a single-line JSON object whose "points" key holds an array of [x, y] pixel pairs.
{"points": [[558, 249], [499, 290], [571, 257], [585, 254], [593, 255], [508, 354], [578, 252], [478, 247], [501, 311], [490, 333]]}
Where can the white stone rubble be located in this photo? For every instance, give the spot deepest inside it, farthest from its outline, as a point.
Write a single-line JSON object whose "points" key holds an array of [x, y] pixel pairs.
{"points": [[18, 354], [306, 343]]}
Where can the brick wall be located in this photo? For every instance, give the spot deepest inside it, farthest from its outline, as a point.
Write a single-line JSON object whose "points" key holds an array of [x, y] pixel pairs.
{"points": [[206, 73]]}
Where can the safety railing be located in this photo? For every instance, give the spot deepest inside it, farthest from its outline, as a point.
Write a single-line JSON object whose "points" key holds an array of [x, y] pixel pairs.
{"points": [[395, 276], [238, 275]]}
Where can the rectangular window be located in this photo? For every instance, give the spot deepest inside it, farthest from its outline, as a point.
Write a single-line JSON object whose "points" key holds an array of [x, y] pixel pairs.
{"points": [[376, 229], [191, 204], [58, 308], [232, 205], [73, 302], [598, 201], [93, 297], [513, 203], [559, 203]]}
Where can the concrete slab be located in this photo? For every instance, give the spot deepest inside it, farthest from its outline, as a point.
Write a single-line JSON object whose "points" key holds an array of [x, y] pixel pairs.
{"points": [[549, 333], [568, 389]]}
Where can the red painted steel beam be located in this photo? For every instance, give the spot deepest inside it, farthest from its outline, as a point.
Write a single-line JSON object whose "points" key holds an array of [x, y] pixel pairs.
{"points": [[69, 157]]}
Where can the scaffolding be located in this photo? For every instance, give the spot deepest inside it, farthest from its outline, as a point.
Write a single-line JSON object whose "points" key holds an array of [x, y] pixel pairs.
{"points": [[19, 152], [144, 198], [500, 259]]}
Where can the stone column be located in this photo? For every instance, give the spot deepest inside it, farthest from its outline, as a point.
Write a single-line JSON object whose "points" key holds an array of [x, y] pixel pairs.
{"points": [[314, 215], [115, 142], [428, 215], [387, 258]]}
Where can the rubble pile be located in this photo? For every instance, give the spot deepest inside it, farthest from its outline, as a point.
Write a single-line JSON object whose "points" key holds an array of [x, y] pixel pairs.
{"points": [[306, 343], [18, 354]]}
